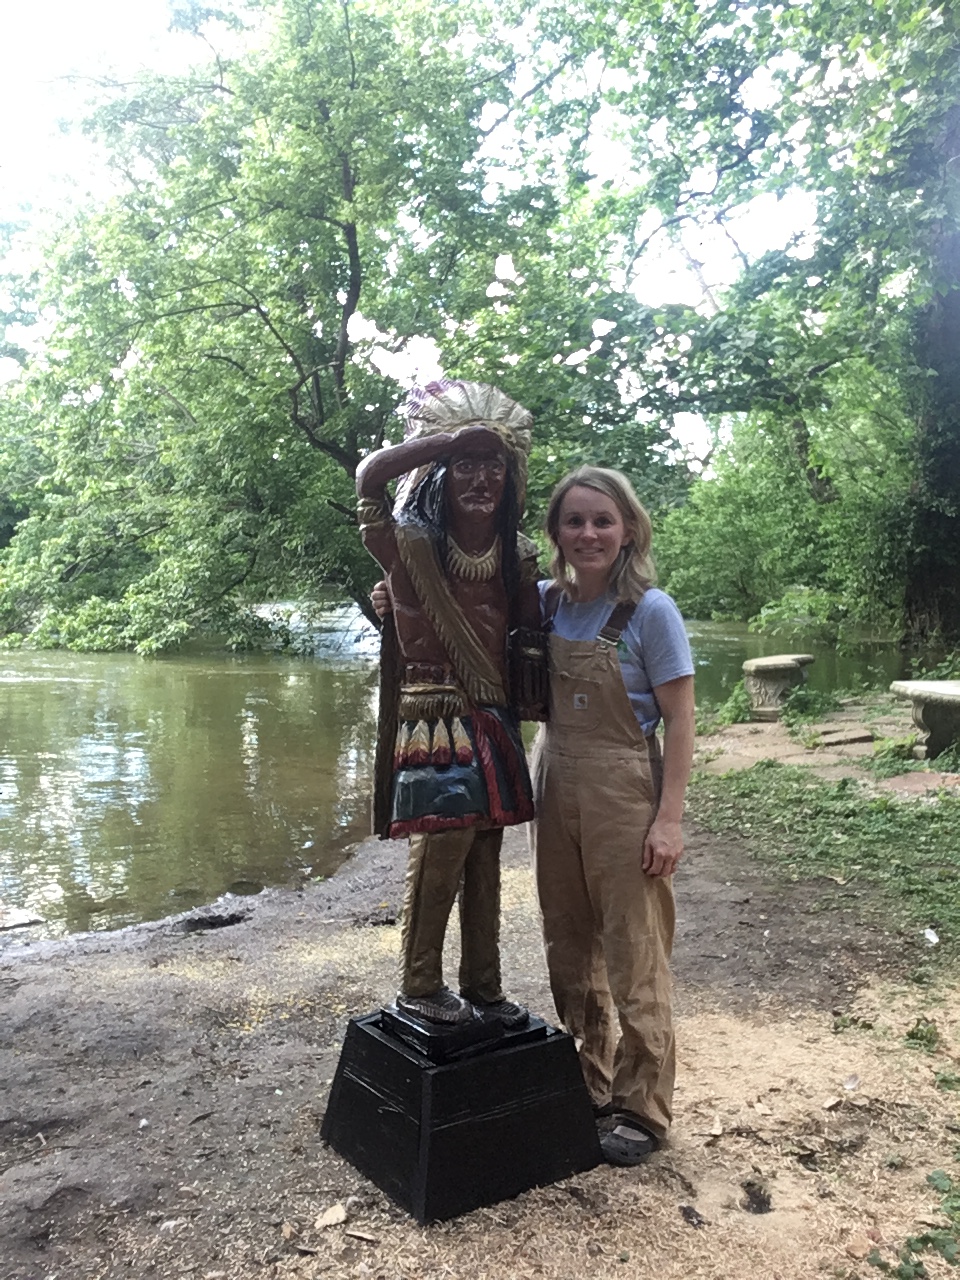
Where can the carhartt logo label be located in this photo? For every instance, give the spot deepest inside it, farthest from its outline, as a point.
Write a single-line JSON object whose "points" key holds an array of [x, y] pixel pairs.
{"points": [[579, 702]]}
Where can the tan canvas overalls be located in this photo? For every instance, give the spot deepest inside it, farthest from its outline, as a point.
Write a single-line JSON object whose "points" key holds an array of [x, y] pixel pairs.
{"points": [[607, 926]]}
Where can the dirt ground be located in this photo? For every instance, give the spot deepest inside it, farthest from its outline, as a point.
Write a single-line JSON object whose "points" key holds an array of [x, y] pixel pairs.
{"points": [[161, 1092]]}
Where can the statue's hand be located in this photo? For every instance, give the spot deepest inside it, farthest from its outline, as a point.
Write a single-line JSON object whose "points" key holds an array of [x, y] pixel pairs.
{"points": [[477, 438], [380, 599]]}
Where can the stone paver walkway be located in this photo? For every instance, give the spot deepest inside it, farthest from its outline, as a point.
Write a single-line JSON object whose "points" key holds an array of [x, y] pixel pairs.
{"points": [[835, 748]]}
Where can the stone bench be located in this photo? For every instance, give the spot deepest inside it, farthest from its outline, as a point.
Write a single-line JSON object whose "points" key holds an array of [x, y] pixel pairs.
{"points": [[768, 681], [936, 713]]}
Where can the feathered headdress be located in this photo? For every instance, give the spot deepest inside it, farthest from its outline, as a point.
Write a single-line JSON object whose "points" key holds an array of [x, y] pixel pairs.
{"points": [[451, 404]]}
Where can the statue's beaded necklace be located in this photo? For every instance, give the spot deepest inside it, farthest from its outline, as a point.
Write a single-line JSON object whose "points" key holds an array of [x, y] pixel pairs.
{"points": [[480, 568]]}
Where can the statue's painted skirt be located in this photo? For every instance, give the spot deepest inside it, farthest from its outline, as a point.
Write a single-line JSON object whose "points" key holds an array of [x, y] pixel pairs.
{"points": [[460, 771]]}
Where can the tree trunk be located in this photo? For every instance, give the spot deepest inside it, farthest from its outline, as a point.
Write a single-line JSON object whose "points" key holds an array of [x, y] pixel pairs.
{"points": [[933, 581]]}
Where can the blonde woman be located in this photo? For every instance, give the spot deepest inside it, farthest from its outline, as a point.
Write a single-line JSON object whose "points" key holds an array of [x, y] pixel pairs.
{"points": [[609, 803]]}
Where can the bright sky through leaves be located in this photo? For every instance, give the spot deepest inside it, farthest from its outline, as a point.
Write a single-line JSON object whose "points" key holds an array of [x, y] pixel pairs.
{"points": [[52, 58], [49, 56]]}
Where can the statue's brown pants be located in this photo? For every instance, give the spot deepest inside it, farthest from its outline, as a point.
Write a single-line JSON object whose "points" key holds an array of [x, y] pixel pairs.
{"points": [[439, 865]]}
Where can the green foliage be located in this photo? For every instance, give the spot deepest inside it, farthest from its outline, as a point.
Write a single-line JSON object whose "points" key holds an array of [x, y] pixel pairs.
{"points": [[943, 1242], [947, 669], [736, 709], [844, 1021], [741, 537], [908, 853], [816, 614], [289, 221], [804, 705], [836, 354], [923, 1035], [892, 756]]}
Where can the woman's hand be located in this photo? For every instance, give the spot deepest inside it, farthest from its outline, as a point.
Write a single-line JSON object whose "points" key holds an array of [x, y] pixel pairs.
{"points": [[662, 847], [380, 599]]}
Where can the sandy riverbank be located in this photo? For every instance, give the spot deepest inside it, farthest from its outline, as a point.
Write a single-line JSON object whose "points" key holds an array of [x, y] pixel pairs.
{"points": [[162, 1090]]}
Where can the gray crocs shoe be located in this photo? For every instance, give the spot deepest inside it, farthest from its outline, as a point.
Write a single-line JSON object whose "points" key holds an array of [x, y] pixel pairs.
{"points": [[443, 1006], [627, 1143]]}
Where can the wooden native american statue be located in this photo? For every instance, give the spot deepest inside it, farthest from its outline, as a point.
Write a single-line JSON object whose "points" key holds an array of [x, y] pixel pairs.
{"points": [[461, 660]]}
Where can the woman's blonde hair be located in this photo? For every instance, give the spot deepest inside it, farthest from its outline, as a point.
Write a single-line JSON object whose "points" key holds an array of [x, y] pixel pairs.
{"points": [[632, 572]]}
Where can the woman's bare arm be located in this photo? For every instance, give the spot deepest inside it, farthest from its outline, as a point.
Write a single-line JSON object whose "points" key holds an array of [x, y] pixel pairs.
{"points": [[664, 843]]}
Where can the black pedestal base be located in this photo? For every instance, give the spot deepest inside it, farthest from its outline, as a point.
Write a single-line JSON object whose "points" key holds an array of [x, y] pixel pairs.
{"points": [[442, 1139], [438, 1041]]}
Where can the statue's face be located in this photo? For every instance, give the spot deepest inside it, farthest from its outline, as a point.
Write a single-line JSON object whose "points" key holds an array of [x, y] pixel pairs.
{"points": [[475, 482]]}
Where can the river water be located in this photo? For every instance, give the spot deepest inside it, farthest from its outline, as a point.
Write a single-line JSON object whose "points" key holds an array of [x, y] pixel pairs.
{"points": [[132, 788]]}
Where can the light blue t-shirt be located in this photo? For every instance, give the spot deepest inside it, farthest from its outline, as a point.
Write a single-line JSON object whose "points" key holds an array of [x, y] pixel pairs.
{"points": [[653, 647]]}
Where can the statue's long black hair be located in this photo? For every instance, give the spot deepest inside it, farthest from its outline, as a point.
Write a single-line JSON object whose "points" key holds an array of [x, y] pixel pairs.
{"points": [[426, 506]]}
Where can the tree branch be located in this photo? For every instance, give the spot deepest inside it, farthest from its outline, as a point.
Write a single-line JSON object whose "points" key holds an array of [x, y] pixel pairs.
{"points": [[350, 515], [348, 459], [344, 5], [540, 84], [349, 307], [179, 403]]}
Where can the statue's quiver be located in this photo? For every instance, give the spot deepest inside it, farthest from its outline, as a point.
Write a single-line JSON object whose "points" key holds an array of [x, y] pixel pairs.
{"points": [[529, 673], [387, 721]]}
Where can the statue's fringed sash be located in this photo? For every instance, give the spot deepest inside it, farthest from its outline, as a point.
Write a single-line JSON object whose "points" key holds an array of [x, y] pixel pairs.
{"points": [[456, 772], [430, 701]]}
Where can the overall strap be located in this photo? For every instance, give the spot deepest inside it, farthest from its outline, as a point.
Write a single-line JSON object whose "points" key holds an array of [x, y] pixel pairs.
{"points": [[613, 628]]}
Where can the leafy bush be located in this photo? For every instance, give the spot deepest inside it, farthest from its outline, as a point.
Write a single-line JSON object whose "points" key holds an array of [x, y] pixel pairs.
{"points": [[738, 708], [813, 613], [892, 756], [804, 705], [948, 669]]}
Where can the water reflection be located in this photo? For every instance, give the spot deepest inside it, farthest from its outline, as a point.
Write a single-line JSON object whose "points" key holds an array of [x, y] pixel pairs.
{"points": [[721, 648], [130, 789]]}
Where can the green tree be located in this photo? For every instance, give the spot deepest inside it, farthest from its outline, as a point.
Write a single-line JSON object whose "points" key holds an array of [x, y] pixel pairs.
{"points": [[211, 381], [856, 106]]}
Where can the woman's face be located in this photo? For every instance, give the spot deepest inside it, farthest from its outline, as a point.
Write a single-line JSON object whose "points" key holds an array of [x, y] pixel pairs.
{"points": [[591, 533]]}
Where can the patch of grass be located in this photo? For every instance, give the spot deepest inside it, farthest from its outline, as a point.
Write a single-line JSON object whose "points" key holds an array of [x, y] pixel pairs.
{"points": [[892, 756], [808, 827], [947, 1080], [736, 710], [942, 1241], [843, 1021], [804, 705], [921, 976], [923, 1035]]}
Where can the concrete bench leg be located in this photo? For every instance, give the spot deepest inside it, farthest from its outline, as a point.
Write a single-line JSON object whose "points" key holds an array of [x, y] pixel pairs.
{"points": [[938, 727], [936, 713], [768, 681]]}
